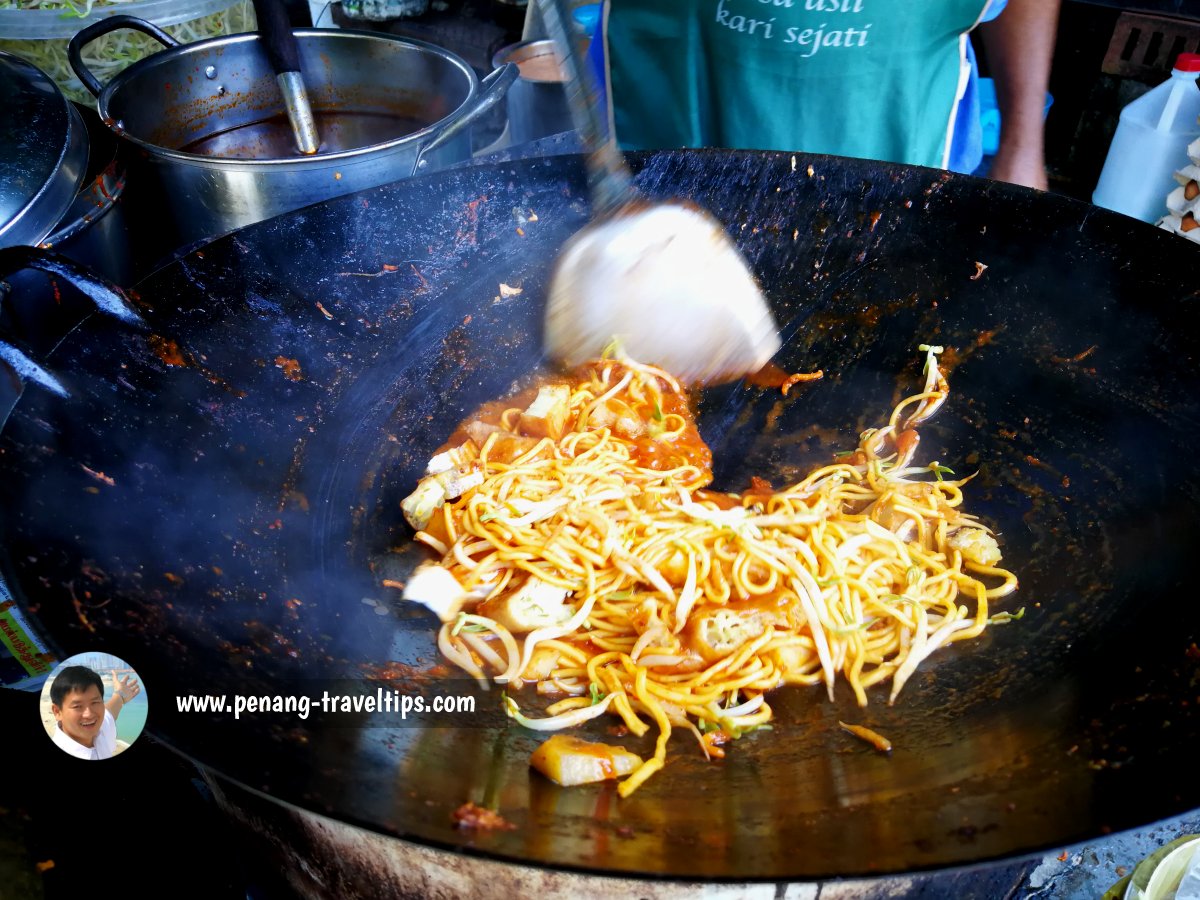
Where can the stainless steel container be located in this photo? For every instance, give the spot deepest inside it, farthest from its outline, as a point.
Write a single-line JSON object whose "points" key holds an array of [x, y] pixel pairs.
{"points": [[43, 153], [537, 103], [210, 145], [61, 188]]}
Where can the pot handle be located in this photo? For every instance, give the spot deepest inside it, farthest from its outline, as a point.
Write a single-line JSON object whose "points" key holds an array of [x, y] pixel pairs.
{"points": [[492, 91], [99, 29]]}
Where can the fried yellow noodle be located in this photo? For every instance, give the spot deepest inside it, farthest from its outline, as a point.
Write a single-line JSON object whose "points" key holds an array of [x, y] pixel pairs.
{"points": [[580, 553]]}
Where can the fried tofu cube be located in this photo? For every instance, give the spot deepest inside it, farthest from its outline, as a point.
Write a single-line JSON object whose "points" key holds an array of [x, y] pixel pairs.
{"points": [[461, 479], [479, 431], [715, 635], [541, 664], [569, 760], [419, 506], [452, 458], [618, 416], [535, 604], [547, 414], [434, 490]]}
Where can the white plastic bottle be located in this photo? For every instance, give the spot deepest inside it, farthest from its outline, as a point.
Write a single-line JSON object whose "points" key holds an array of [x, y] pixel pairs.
{"points": [[1151, 143]]}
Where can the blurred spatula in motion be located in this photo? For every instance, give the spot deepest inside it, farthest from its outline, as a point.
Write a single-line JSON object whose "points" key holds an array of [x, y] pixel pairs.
{"points": [[284, 56], [663, 278]]}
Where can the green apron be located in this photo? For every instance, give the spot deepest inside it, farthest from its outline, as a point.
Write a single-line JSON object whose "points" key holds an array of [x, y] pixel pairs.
{"points": [[878, 79]]}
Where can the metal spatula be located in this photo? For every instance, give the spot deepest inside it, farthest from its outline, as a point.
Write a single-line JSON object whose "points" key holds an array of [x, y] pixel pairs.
{"points": [[662, 277]]}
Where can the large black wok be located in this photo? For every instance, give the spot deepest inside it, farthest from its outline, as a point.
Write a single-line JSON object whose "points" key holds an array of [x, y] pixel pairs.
{"points": [[218, 494]]}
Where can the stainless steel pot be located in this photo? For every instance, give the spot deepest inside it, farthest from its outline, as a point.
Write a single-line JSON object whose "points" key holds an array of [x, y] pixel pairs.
{"points": [[43, 153], [204, 120], [537, 104], [61, 188]]}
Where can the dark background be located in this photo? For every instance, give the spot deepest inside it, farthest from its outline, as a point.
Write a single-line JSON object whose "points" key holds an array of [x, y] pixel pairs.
{"points": [[137, 825]]}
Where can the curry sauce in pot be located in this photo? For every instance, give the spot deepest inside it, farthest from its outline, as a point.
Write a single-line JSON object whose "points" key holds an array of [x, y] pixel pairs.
{"points": [[339, 130]]}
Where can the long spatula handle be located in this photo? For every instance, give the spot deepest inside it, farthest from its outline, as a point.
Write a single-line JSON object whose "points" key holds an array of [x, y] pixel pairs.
{"points": [[284, 56], [609, 180]]}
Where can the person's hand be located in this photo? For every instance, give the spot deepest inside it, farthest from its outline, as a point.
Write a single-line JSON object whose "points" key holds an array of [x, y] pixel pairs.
{"points": [[1016, 166], [127, 688]]}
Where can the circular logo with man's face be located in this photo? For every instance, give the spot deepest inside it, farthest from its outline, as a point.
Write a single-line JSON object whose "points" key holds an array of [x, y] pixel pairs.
{"points": [[93, 706]]}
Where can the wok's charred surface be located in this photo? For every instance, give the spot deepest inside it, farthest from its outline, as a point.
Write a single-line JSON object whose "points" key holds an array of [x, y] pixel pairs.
{"points": [[247, 508]]}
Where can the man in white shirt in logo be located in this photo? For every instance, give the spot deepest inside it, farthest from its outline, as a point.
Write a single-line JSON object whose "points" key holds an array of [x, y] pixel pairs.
{"points": [[86, 726]]}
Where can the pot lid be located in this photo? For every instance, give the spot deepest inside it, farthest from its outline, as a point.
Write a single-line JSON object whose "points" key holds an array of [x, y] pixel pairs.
{"points": [[43, 153]]}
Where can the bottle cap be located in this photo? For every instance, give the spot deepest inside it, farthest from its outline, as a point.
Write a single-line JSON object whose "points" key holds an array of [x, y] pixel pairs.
{"points": [[1188, 62]]}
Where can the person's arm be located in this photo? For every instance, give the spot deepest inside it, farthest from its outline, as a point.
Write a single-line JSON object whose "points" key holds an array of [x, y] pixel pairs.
{"points": [[1020, 46], [123, 692]]}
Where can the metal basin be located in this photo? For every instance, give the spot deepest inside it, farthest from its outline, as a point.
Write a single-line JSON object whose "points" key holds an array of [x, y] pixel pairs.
{"points": [[208, 137]]}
